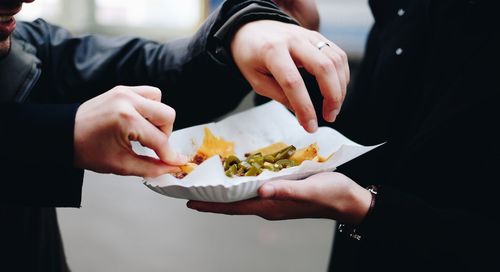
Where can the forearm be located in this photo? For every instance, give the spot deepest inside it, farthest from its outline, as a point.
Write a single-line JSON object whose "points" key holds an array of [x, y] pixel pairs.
{"points": [[79, 68]]}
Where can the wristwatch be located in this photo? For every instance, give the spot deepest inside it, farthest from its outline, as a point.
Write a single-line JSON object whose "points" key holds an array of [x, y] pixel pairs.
{"points": [[354, 231]]}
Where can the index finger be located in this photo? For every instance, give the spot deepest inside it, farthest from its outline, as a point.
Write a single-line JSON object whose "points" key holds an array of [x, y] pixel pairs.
{"points": [[150, 136], [281, 65], [157, 113], [148, 92]]}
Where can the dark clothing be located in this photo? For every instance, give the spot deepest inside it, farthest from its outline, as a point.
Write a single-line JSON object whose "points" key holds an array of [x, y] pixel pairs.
{"points": [[428, 87], [49, 72]]}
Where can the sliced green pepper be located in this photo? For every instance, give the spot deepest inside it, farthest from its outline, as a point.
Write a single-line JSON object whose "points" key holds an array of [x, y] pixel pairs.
{"points": [[231, 160]]}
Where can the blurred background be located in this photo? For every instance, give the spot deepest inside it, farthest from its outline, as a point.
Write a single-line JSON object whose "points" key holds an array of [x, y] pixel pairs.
{"points": [[123, 226]]}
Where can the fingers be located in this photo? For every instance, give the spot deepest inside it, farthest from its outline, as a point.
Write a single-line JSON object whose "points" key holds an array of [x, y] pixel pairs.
{"points": [[328, 76], [266, 85], [153, 123], [245, 207], [159, 114], [342, 62], [144, 166], [269, 209], [150, 136], [148, 92], [288, 190], [283, 68]]}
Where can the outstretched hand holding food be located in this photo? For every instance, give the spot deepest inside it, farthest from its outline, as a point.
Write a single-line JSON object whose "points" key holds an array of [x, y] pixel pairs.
{"points": [[105, 125], [269, 55], [329, 195]]}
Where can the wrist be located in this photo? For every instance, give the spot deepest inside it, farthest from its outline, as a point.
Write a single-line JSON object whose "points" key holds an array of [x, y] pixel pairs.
{"points": [[355, 230], [355, 205], [238, 17]]}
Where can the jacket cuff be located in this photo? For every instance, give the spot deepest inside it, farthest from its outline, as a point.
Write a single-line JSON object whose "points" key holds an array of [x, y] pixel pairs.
{"points": [[236, 17]]}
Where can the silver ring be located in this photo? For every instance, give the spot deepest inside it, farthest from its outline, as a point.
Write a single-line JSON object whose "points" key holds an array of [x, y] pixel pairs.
{"points": [[320, 45]]}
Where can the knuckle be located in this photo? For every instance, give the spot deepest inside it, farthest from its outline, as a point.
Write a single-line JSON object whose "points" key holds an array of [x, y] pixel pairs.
{"points": [[337, 59], [343, 55], [269, 46], [121, 93], [337, 100], [123, 114], [156, 90], [171, 113], [117, 88], [325, 66], [292, 81]]}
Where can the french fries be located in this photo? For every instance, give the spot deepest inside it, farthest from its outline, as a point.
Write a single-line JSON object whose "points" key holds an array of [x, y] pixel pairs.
{"points": [[274, 157]]}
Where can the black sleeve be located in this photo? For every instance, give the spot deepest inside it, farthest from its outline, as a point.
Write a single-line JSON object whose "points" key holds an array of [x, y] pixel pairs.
{"points": [[189, 71], [195, 74], [441, 214], [37, 155]]}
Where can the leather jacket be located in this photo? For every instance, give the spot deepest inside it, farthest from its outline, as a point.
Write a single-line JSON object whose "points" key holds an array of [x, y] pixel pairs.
{"points": [[46, 76]]}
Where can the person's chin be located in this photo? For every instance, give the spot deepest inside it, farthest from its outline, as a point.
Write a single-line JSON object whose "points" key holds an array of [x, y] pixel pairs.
{"points": [[4, 46]]}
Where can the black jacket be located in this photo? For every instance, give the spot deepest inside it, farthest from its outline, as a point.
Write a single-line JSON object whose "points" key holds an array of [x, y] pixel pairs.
{"points": [[49, 72], [428, 87]]}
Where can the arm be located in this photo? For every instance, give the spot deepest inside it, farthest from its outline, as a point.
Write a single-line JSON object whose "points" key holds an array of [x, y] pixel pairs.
{"points": [[436, 212], [49, 145], [45, 147], [202, 66], [82, 67]]}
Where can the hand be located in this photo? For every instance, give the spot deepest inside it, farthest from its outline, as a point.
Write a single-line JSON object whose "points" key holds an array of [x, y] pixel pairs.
{"points": [[325, 195], [268, 54], [105, 125], [304, 11]]}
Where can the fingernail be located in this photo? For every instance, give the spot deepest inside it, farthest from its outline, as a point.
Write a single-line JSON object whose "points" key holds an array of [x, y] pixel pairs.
{"points": [[267, 190], [333, 115], [312, 125]]}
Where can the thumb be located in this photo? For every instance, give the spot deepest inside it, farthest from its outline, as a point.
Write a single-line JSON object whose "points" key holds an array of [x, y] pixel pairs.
{"points": [[286, 190]]}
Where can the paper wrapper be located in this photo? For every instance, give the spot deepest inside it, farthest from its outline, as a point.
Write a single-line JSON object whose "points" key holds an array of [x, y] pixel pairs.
{"points": [[249, 130]]}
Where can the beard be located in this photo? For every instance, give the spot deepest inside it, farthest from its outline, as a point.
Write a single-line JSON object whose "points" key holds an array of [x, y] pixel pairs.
{"points": [[4, 46]]}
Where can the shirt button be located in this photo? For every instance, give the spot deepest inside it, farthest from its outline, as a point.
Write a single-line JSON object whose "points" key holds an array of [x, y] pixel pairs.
{"points": [[401, 12], [399, 51]]}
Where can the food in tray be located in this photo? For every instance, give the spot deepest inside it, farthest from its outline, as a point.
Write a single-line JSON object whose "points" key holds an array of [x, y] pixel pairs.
{"points": [[274, 157]]}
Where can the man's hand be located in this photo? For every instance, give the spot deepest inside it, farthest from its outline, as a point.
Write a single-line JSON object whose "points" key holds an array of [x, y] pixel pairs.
{"points": [[304, 11], [105, 125], [268, 53], [326, 195]]}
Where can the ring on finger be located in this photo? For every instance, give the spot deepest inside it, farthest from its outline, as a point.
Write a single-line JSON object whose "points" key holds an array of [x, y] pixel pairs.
{"points": [[322, 44]]}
